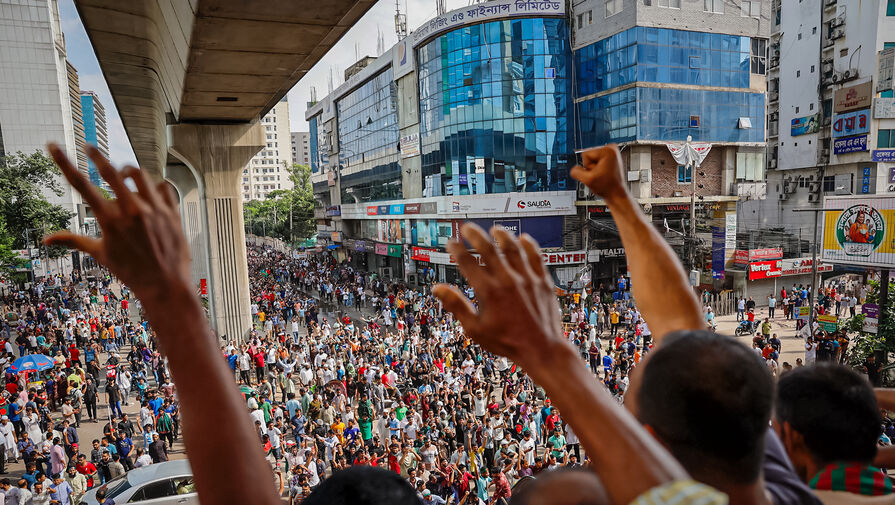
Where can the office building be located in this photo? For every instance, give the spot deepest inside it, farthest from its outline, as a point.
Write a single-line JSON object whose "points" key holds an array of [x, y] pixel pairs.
{"points": [[268, 170], [36, 107], [830, 80], [95, 131], [301, 148], [476, 115], [77, 117]]}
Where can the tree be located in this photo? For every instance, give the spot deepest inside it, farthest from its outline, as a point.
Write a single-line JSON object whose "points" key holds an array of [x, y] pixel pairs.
{"points": [[287, 214], [865, 344], [24, 209]]}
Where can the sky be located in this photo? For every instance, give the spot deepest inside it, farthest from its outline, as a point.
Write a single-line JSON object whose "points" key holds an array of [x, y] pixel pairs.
{"points": [[358, 42]]}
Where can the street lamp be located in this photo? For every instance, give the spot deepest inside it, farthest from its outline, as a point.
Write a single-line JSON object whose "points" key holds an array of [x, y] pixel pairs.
{"points": [[691, 155]]}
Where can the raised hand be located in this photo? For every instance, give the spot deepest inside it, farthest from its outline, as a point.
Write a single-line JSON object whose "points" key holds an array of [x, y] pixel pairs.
{"points": [[142, 242], [601, 170], [519, 315]]}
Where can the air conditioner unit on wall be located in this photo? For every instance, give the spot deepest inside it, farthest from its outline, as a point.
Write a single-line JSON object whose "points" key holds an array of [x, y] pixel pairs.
{"points": [[782, 196], [813, 197]]}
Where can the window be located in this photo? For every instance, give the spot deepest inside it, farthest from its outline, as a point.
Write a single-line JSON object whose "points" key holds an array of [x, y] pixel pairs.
{"points": [[716, 6], [890, 8], [154, 491], [750, 166], [759, 56], [813, 30], [684, 174], [750, 9], [829, 183], [798, 73], [885, 139], [674, 4], [797, 109], [613, 7], [585, 18], [812, 69]]}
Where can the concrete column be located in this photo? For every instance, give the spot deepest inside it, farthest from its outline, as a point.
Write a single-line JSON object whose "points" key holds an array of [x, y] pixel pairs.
{"points": [[728, 170], [641, 160], [217, 154], [188, 191]]}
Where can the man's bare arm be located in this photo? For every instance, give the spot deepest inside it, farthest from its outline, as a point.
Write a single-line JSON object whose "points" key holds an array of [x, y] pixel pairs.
{"points": [[651, 261], [519, 318], [143, 245]]}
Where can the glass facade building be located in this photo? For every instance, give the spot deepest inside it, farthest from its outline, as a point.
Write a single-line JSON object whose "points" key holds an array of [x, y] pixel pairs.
{"points": [[368, 141], [496, 107], [666, 56]]}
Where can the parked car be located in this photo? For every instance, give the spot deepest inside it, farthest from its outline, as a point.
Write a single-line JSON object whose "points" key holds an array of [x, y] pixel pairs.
{"points": [[170, 482]]}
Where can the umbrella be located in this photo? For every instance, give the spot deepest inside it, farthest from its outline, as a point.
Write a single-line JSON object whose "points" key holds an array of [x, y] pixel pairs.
{"points": [[32, 363]]}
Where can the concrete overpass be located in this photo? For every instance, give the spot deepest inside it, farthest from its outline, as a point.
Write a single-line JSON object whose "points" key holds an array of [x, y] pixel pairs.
{"points": [[191, 78]]}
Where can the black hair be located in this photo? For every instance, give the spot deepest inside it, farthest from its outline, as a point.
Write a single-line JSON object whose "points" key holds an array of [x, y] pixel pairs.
{"points": [[363, 485], [834, 409], [708, 398]]}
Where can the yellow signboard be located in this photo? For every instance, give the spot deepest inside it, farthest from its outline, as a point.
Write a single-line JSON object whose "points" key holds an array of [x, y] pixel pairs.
{"points": [[859, 231]]}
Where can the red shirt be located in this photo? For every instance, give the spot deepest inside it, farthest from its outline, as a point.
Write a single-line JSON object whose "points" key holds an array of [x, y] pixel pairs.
{"points": [[751, 317], [87, 469], [501, 486]]}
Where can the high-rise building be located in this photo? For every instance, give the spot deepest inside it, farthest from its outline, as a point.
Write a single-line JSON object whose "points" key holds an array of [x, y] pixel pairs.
{"points": [[268, 170], [77, 115], [476, 116], [301, 148], [830, 79], [36, 107], [95, 131]]}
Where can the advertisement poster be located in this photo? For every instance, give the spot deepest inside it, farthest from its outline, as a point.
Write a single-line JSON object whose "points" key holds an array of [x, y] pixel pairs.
{"points": [[828, 322], [871, 317], [718, 236], [804, 125], [850, 145], [390, 230], [858, 231]]}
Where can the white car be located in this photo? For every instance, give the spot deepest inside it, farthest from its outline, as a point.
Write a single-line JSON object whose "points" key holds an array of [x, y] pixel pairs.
{"points": [[170, 482]]}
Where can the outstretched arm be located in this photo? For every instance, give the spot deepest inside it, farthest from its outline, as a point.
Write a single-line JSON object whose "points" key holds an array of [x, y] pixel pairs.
{"points": [[519, 318], [143, 245], [651, 261]]}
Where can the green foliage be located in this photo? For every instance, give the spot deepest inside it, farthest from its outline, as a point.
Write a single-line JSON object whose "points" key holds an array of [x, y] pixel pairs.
{"points": [[271, 216], [863, 344], [24, 209]]}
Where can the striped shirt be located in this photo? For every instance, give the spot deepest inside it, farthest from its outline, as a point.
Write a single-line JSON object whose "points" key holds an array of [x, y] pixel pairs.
{"points": [[682, 492]]}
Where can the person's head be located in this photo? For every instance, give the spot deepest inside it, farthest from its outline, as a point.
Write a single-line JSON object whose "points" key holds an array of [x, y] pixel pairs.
{"points": [[708, 399], [363, 485], [826, 414]]}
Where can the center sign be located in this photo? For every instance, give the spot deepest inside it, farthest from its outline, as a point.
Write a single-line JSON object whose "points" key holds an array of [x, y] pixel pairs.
{"points": [[765, 269]]}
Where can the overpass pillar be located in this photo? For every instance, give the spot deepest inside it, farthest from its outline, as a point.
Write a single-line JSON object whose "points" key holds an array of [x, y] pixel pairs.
{"points": [[216, 155], [188, 191]]}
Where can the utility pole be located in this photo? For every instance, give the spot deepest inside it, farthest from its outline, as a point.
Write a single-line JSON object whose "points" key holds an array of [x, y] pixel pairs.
{"points": [[812, 296], [691, 156]]}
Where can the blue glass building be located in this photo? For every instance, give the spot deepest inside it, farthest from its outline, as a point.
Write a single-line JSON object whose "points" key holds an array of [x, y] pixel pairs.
{"points": [[95, 133], [496, 108]]}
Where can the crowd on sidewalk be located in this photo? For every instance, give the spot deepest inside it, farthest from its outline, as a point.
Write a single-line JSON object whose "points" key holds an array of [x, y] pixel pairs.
{"points": [[97, 359]]}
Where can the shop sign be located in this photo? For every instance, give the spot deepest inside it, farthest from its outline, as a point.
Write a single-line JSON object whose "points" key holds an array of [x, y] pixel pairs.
{"points": [[765, 269], [512, 226], [203, 286], [411, 208], [595, 255], [871, 317], [740, 257], [372, 210], [564, 258], [336, 236], [828, 322], [394, 251], [851, 123], [730, 233], [718, 252], [421, 254], [772, 253], [800, 266], [854, 97], [532, 202], [883, 155], [598, 209], [381, 249], [479, 12], [803, 312], [850, 145], [335, 210]]}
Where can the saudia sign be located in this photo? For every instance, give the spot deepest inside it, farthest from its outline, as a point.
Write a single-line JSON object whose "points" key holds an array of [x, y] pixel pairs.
{"points": [[535, 204]]}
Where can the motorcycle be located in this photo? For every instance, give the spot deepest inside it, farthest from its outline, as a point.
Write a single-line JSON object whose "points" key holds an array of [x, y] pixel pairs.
{"points": [[745, 328]]}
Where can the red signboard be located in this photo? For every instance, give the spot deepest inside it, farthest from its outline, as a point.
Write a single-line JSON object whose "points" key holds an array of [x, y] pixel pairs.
{"points": [[372, 210], [381, 249], [203, 286], [765, 269], [773, 253], [421, 253]]}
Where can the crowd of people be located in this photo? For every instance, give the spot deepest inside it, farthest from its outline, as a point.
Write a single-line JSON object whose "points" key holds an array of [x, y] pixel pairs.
{"points": [[98, 359], [457, 396]]}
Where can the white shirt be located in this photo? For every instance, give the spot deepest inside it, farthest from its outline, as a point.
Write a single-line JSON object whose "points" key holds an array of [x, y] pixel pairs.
{"points": [[144, 460]]}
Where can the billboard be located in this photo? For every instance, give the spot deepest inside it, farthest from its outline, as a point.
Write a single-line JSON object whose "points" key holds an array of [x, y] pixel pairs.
{"points": [[855, 97], [851, 123], [804, 125], [859, 231], [765, 269], [850, 145]]}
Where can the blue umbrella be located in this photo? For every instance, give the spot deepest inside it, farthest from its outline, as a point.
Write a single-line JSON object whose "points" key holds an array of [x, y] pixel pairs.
{"points": [[31, 363]]}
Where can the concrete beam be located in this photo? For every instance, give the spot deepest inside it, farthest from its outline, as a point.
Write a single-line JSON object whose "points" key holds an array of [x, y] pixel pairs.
{"points": [[216, 156]]}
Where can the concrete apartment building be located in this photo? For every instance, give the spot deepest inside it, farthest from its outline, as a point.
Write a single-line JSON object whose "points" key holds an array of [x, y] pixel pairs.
{"points": [[301, 148], [267, 170]]}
